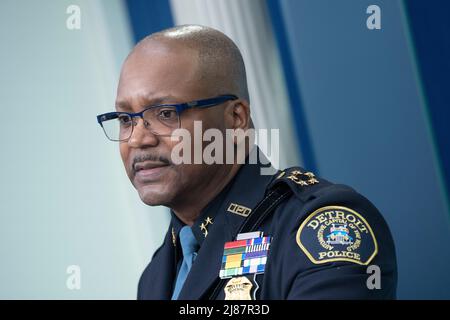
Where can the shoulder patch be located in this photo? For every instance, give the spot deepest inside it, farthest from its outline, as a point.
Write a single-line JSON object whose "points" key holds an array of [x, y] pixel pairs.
{"points": [[336, 233]]}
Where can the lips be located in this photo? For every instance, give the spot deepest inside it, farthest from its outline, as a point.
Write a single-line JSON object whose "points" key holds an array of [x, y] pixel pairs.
{"points": [[147, 165], [148, 170]]}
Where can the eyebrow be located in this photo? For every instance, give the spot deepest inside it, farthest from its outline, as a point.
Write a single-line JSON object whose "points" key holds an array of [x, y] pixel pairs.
{"points": [[125, 105]]}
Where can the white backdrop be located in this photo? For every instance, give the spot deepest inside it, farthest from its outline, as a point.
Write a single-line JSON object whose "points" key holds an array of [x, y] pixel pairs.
{"points": [[248, 24], [65, 198]]}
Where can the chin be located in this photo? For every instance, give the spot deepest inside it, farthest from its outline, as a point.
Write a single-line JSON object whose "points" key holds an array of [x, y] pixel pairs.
{"points": [[154, 196]]}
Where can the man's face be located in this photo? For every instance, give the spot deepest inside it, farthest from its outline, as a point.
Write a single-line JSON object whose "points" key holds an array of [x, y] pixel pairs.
{"points": [[161, 74]]}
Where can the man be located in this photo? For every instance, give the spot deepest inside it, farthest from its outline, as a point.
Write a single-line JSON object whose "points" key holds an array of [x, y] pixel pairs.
{"points": [[235, 233]]}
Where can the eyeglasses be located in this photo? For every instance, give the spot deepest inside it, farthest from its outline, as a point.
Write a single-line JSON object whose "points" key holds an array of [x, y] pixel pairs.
{"points": [[161, 120]]}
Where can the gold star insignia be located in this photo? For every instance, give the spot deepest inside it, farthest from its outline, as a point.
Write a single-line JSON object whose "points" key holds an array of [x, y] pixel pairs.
{"points": [[303, 178], [309, 174], [174, 237], [204, 226]]}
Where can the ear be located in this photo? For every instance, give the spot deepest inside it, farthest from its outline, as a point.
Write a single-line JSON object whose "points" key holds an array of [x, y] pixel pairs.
{"points": [[237, 118], [237, 115]]}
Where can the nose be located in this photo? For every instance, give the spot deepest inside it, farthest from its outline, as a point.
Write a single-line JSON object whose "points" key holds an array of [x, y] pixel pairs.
{"points": [[142, 137]]}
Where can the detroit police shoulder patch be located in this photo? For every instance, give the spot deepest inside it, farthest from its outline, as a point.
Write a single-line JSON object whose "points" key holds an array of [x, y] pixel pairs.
{"points": [[336, 233]]}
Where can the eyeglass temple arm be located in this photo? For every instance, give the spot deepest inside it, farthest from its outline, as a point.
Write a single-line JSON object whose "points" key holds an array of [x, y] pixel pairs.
{"points": [[205, 103], [106, 116]]}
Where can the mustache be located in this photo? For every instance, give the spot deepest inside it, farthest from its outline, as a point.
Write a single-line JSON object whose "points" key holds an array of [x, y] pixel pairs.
{"points": [[149, 157]]}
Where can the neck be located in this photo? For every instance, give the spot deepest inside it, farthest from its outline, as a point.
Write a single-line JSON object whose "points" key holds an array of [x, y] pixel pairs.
{"points": [[189, 210]]}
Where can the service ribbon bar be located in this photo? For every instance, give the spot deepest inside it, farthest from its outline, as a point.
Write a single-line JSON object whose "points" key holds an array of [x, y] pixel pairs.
{"points": [[244, 257]]}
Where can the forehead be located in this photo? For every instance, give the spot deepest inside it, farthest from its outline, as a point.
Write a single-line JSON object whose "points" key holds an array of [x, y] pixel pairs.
{"points": [[157, 74]]}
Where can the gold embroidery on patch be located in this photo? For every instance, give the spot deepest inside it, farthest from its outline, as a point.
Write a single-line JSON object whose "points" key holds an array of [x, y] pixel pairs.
{"points": [[339, 219]]}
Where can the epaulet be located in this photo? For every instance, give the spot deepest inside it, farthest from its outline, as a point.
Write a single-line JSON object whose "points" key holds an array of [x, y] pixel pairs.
{"points": [[302, 183]]}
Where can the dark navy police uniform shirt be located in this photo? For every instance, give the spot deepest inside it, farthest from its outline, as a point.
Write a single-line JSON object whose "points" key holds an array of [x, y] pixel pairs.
{"points": [[328, 242]]}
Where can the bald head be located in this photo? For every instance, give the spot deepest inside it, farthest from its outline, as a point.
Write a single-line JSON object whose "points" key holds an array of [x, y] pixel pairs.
{"points": [[220, 66]]}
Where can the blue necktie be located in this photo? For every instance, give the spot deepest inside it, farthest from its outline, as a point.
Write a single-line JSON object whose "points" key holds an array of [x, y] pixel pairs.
{"points": [[189, 246]]}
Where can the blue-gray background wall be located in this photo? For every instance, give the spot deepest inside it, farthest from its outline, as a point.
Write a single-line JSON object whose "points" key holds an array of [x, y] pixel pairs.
{"points": [[362, 98]]}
